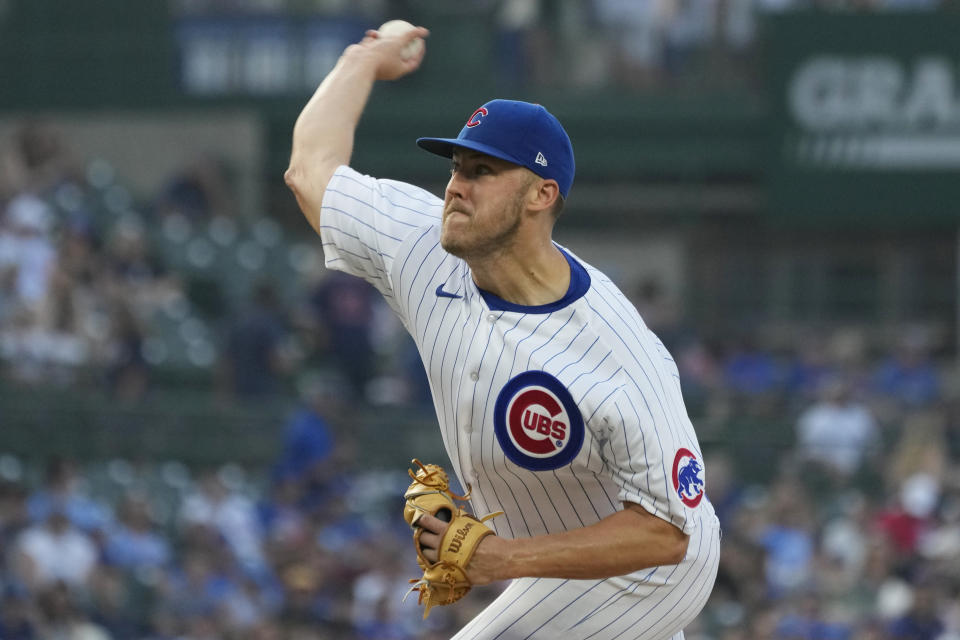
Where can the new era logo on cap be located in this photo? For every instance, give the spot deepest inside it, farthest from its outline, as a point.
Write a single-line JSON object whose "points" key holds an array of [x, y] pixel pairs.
{"points": [[519, 132]]}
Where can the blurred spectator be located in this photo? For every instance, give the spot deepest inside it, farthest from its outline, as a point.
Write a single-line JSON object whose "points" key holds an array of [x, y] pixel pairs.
{"points": [[228, 514], [910, 514], [920, 447], [517, 32], [921, 621], [286, 526], [737, 20], [134, 542], [304, 603], [79, 254], [689, 30], [700, 371], [245, 607], [128, 374], [847, 545], [17, 621], [726, 492], [788, 539], [52, 348], [342, 307], [61, 617], [312, 584], [196, 588], [26, 249], [810, 367], [112, 603], [34, 161], [132, 269], [308, 435], [941, 542], [54, 551], [252, 357], [662, 313], [637, 29], [909, 377], [750, 370], [376, 611], [200, 191], [64, 489], [837, 433], [312, 465], [13, 514], [848, 353], [806, 621], [415, 386]]}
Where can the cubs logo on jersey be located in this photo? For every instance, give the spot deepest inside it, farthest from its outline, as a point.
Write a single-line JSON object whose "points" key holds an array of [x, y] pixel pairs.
{"points": [[688, 477], [537, 423]]}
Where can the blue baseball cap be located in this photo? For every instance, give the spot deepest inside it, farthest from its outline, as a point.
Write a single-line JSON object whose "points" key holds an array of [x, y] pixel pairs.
{"points": [[519, 132]]}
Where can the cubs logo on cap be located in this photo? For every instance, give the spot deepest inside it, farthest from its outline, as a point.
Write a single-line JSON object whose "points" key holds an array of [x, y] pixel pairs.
{"points": [[519, 132], [474, 120], [688, 477], [537, 423]]}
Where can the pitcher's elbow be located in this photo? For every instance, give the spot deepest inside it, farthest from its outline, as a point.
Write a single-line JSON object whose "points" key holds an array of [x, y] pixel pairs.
{"points": [[292, 177], [678, 550]]}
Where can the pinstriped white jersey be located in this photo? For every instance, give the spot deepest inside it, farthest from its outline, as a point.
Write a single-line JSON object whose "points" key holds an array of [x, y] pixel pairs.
{"points": [[552, 414]]}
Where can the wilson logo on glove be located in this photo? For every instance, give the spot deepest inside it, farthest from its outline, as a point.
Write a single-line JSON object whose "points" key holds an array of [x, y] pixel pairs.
{"points": [[459, 537]]}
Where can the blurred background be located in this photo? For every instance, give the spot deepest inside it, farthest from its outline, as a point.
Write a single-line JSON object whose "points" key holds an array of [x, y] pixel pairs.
{"points": [[204, 434]]}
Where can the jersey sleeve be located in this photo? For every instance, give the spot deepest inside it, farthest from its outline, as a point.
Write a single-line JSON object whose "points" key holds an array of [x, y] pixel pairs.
{"points": [[364, 221], [640, 458]]}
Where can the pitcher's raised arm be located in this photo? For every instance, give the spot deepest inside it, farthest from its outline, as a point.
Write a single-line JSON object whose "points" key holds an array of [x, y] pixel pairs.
{"points": [[324, 132]]}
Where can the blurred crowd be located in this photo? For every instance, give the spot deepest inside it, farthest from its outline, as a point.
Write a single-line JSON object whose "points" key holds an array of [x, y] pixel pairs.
{"points": [[100, 292], [639, 44], [118, 550], [844, 525], [844, 521], [68, 289]]}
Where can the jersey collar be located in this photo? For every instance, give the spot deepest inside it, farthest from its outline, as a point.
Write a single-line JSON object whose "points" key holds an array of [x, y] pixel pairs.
{"points": [[579, 284]]}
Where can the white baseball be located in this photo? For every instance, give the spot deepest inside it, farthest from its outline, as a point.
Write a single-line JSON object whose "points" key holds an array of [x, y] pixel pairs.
{"points": [[393, 28]]}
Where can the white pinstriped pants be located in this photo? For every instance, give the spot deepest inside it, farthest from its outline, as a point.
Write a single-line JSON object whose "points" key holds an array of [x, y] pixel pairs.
{"points": [[657, 607]]}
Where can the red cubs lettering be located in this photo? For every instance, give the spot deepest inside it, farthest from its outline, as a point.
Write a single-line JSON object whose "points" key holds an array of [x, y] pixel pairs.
{"points": [[530, 420], [559, 430], [543, 425], [523, 418]]}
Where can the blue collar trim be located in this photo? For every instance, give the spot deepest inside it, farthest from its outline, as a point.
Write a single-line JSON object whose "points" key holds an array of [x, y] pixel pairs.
{"points": [[579, 284]]}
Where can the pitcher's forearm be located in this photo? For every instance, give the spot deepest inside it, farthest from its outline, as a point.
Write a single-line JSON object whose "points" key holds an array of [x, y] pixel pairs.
{"points": [[621, 543], [324, 131]]}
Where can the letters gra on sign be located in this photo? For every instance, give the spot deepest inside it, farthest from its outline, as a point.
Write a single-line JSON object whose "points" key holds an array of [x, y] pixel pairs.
{"points": [[876, 111]]}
